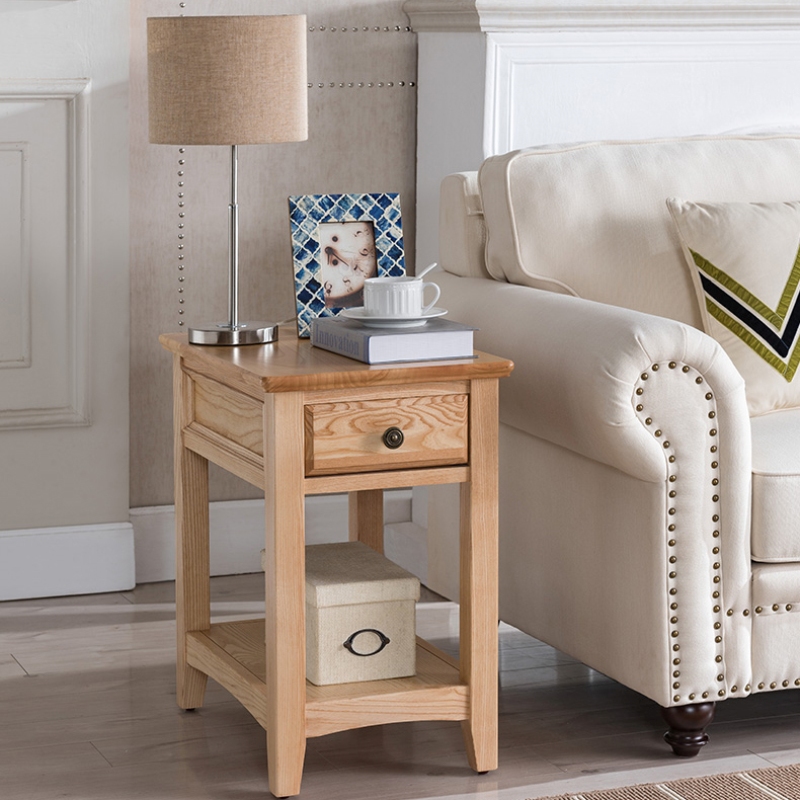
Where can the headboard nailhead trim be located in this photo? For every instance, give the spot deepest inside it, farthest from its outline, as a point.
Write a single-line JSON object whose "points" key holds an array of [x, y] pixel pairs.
{"points": [[362, 84], [181, 174], [360, 29]]}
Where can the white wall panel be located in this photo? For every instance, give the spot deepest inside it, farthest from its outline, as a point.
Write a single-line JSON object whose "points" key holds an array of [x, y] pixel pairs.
{"points": [[547, 88], [44, 270], [14, 258], [64, 283]]}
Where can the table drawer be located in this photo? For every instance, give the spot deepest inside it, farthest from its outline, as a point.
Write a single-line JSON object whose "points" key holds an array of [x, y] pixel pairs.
{"points": [[406, 432]]}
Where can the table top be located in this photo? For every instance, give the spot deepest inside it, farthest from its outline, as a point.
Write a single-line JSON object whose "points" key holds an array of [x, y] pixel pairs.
{"points": [[292, 364]]}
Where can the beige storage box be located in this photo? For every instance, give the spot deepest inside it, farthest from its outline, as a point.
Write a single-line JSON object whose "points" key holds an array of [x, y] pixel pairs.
{"points": [[360, 615]]}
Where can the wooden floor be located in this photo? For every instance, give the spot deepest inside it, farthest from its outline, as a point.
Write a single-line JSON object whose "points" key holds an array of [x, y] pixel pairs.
{"points": [[87, 711]]}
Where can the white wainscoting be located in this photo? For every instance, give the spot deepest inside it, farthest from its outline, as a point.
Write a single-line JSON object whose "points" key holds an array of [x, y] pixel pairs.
{"points": [[44, 253], [64, 298]]}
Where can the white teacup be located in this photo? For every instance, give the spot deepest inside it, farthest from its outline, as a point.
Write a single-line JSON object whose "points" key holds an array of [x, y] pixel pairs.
{"points": [[397, 297]]}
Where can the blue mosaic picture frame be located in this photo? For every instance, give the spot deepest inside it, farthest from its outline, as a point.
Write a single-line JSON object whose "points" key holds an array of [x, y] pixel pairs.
{"points": [[382, 220]]}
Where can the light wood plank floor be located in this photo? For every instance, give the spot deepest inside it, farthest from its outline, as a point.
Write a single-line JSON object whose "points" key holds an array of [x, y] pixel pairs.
{"points": [[87, 711]]}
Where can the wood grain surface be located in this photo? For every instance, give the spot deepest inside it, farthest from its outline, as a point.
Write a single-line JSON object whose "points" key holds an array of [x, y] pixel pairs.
{"points": [[284, 418], [347, 436], [292, 364]]}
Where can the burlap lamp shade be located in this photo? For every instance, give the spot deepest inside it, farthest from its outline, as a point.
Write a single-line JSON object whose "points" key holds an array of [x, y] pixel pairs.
{"points": [[227, 80]]}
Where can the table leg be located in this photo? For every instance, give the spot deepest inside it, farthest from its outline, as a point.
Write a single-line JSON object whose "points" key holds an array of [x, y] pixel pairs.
{"points": [[366, 518], [192, 591], [284, 579], [479, 583]]}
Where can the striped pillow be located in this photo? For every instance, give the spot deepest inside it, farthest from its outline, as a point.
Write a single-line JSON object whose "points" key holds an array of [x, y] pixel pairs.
{"points": [[745, 264]]}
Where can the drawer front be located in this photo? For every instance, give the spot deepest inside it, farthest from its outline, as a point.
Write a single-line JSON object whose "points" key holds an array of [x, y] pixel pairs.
{"points": [[362, 436]]}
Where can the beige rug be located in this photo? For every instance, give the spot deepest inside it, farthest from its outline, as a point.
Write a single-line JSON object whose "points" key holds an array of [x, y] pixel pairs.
{"points": [[771, 783]]}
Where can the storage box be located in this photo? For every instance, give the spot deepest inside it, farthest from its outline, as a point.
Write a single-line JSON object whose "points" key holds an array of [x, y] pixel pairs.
{"points": [[360, 615]]}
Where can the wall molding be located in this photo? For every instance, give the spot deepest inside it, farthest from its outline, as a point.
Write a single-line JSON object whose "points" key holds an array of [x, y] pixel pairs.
{"points": [[519, 15], [75, 93], [514, 61], [22, 292], [76, 559]]}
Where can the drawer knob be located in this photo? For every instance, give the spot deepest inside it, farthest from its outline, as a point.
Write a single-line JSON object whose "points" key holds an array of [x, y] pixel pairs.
{"points": [[393, 438]]}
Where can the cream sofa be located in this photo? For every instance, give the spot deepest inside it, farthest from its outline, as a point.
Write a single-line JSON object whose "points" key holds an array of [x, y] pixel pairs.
{"points": [[649, 526]]}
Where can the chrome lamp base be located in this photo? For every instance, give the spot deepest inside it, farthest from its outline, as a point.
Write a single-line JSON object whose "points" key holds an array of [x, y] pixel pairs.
{"points": [[223, 333]]}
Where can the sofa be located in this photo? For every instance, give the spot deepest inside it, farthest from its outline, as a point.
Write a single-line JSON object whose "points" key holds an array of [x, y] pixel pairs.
{"points": [[650, 436]]}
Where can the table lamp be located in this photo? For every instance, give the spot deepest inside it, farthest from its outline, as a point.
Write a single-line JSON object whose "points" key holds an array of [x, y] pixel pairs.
{"points": [[228, 80]]}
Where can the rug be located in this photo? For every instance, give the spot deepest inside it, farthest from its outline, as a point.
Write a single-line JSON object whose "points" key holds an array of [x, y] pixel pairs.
{"points": [[770, 783]]}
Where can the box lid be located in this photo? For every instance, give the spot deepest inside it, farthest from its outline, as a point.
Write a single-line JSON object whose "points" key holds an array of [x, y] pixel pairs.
{"points": [[346, 573]]}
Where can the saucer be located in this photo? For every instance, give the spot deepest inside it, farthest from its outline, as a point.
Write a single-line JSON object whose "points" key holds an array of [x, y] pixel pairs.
{"points": [[373, 321]]}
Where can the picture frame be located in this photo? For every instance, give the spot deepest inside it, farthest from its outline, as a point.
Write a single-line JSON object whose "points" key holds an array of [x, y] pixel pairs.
{"points": [[338, 241]]}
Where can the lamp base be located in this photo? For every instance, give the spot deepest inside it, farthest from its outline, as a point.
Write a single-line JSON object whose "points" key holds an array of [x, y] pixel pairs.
{"points": [[223, 333]]}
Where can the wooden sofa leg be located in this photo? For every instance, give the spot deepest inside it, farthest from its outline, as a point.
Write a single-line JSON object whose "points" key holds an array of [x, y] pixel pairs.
{"points": [[687, 727]]}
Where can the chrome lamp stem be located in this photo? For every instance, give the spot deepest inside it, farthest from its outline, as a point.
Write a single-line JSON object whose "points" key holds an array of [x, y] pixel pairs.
{"points": [[234, 332]]}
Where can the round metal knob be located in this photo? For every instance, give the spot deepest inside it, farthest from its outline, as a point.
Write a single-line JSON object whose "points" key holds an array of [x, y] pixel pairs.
{"points": [[393, 438]]}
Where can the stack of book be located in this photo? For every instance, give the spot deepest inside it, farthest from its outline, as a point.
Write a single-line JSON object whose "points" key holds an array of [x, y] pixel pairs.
{"points": [[435, 340]]}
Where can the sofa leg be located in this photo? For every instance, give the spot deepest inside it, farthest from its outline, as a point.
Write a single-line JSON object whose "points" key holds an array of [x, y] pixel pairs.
{"points": [[687, 727]]}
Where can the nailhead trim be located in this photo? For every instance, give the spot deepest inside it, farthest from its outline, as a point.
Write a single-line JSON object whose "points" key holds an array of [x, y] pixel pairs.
{"points": [[764, 611], [673, 515], [360, 29], [773, 685], [181, 246], [362, 84], [776, 608]]}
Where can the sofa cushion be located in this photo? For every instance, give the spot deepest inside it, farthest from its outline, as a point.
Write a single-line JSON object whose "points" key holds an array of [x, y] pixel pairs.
{"points": [[462, 238], [744, 260], [775, 533], [591, 219]]}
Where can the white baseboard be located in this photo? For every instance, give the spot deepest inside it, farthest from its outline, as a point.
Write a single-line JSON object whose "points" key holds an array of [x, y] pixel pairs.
{"points": [[113, 557], [75, 559], [237, 532]]}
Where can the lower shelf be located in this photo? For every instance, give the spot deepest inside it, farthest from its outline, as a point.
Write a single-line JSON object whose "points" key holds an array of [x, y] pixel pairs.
{"points": [[232, 653]]}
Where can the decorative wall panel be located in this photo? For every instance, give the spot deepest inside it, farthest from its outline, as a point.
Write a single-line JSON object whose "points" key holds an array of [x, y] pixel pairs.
{"points": [[43, 231], [625, 85], [14, 257], [64, 524]]}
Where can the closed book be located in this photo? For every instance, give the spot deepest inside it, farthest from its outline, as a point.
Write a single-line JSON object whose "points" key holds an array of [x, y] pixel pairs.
{"points": [[435, 340]]}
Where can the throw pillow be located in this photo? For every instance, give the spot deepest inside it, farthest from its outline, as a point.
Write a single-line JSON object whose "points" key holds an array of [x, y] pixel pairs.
{"points": [[745, 264]]}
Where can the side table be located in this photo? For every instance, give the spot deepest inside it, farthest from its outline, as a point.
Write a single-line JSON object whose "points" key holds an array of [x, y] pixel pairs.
{"points": [[296, 420]]}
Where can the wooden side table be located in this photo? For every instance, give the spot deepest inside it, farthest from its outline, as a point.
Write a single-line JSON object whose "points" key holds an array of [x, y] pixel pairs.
{"points": [[296, 420]]}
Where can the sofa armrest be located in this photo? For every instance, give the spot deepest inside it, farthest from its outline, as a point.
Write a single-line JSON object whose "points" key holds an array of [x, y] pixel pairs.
{"points": [[660, 402], [578, 365], [667, 527]]}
